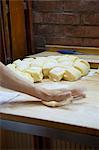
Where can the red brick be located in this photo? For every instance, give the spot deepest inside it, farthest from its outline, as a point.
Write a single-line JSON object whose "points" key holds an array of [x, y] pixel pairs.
{"points": [[82, 31], [81, 5], [49, 30], [37, 17], [69, 31], [57, 18], [48, 6], [91, 42], [90, 19], [64, 41]]}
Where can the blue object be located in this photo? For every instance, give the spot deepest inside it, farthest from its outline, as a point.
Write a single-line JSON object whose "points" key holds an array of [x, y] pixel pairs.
{"points": [[64, 51]]}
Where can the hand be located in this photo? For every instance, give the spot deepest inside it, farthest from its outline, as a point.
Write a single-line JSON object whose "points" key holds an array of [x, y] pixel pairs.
{"points": [[59, 95]]}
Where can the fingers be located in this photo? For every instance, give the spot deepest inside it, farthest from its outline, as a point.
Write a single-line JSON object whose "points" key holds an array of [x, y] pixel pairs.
{"points": [[78, 93], [62, 96]]}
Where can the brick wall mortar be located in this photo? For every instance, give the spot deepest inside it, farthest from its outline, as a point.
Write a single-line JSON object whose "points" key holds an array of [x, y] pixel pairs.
{"points": [[67, 22]]}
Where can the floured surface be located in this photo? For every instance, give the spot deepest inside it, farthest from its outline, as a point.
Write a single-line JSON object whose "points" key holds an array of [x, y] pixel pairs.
{"points": [[84, 113]]}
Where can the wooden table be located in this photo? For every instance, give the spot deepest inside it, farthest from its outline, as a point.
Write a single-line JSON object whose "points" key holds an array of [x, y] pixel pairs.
{"points": [[77, 122]]}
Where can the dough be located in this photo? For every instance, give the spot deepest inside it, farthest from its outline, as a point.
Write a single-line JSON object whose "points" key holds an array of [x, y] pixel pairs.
{"points": [[82, 67], [36, 73], [12, 67], [48, 66], [22, 65], [53, 67], [16, 62], [71, 74], [28, 59], [66, 64], [39, 62], [83, 61], [56, 74], [54, 57], [57, 104], [24, 75], [67, 58], [97, 71]]}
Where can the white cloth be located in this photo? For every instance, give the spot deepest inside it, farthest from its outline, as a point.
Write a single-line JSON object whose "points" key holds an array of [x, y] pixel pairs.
{"points": [[6, 97]]}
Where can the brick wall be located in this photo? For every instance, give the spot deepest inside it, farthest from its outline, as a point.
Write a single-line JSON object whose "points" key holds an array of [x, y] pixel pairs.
{"points": [[66, 22]]}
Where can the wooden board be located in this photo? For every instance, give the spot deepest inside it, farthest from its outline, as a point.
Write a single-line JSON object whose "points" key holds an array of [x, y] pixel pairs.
{"points": [[81, 116]]}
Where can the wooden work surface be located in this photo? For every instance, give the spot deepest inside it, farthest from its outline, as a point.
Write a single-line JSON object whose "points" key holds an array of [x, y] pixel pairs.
{"points": [[81, 116]]}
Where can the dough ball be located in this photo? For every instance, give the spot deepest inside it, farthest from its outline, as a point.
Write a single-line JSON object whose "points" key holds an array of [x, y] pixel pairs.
{"points": [[12, 67], [36, 73], [21, 65], [82, 67], [16, 62], [66, 64], [97, 71], [57, 104], [56, 74], [28, 59], [39, 62], [71, 74], [83, 61], [66, 58], [54, 57], [24, 75], [47, 67]]}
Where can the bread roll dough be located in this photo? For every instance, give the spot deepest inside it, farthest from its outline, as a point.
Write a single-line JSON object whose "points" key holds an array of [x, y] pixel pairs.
{"points": [[28, 59], [57, 104], [83, 61], [71, 74], [54, 57], [82, 67], [56, 74], [53, 67], [36, 73], [16, 62], [24, 75], [66, 64], [12, 67], [47, 67], [23, 65], [38, 62], [97, 71], [67, 58]]}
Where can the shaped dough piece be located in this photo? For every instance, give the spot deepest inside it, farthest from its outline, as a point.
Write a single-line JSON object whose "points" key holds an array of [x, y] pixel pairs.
{"points": [[24, 75], [23, 65], [83, 61], [36, 73], [71, 74], [57, 104], [50, 59], [67, 58], [12, 67], [97, 71], [28, 59], [47, 67], [66, 64], [39, 62], [83, 68], [54, 57], [16, 62], [56, 74]]}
